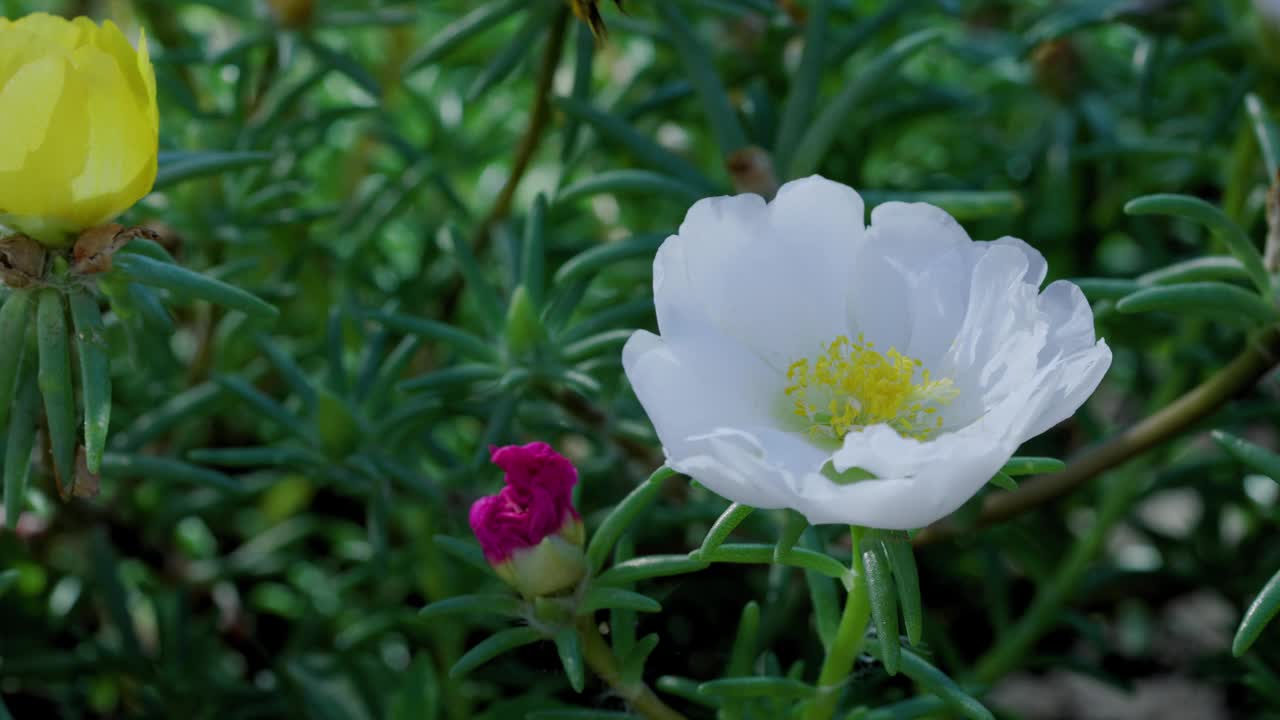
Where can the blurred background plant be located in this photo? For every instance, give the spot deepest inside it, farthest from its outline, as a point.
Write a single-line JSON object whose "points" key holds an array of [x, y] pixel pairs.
{"points": [[454, 206]]}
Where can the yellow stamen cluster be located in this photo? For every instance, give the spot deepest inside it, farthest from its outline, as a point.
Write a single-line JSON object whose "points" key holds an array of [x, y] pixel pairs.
{"points": [[853, 385]]}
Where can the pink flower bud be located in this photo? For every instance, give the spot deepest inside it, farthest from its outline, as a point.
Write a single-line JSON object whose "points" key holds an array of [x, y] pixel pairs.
{"points": [[530, 532]]}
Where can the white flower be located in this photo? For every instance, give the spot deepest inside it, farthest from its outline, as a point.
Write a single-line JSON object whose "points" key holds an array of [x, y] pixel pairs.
{"points": [[875, 376]]}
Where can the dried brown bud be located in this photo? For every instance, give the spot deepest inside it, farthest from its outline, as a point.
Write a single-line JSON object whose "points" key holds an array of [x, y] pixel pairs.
{"points": [[1057, 65], [752, 171], [95, 246], [292, 13], [21, 261]]}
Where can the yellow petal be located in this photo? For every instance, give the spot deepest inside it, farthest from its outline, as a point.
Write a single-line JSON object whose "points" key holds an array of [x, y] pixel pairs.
{"points": [[122, 141], [47, 143]]}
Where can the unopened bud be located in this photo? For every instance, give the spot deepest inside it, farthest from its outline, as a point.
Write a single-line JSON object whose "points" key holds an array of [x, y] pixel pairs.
{"points": [[530, 532]]}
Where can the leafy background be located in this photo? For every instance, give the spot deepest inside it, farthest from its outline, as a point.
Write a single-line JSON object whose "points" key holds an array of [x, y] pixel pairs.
{"points": [[454, 205]]}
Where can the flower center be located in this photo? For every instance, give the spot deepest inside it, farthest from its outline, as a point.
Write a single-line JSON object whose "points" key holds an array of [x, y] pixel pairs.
{"points": [[853, 385]]}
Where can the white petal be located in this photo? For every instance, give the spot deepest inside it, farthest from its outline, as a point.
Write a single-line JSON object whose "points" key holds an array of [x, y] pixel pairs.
{"points": [[997, 347], [937, 301], [1074, 380], [918, 482], [692, 384], [771, 277], [1037, 267], [758, 467], [904, 239]]}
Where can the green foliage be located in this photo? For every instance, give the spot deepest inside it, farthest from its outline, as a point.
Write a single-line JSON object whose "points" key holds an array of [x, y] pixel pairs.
{"points": [[239, 455]]}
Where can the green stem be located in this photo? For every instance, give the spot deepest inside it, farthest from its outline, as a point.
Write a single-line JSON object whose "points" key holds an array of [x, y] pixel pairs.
{"points": [[1046, 608], [847, 644], [602, 662]]}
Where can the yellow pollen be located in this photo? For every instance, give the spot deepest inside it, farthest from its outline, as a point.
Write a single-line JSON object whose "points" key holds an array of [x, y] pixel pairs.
{"points": [[852, 385]]}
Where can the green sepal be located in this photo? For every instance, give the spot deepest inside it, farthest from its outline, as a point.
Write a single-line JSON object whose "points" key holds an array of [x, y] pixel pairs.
{"points": [[13, 330], [884, 601], [569, 646], [55, 383], [95, 376]]}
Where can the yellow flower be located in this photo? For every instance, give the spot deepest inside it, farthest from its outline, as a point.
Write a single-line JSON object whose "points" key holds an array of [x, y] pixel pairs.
{"points": [[80, 125]]}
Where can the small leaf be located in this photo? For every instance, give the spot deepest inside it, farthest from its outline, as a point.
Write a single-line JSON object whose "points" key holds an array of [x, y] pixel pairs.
{"points": [[651, 566], [461, 30], [177, 167], [936, 682], [1255, 456], [754, 687], [106, 572], [645, 183], [903, 563], [599, 598], [469, 553], [963, 205], [477, 285], [587, 263], [826, 127], [95, 376], [609, 341], [443, 380], [493, 646], [1268, 134], [1201, 298], [21, 440], [884, 602], [1261, 611], [116, 465], [1003, 481], [464, 342], [632, 670], [761, 554], [1107, 288], [686, 689], [744, 650], [533, 253], [644, 149], [289, 371], [797, 110], [255, 457], [515, 50], [569, 646], [190, 404], [822, 595], [1018, 466], [507, 605], [700, 71], [724, 526], [13, 328], [621, 517], [794, 524], [1199, 211], [264, 406], [579, 715], [54, 379], [1213, 267], [190, 284]]}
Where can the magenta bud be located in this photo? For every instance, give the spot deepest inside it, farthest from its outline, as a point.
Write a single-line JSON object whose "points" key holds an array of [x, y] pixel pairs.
{"points": [[530, 532]]}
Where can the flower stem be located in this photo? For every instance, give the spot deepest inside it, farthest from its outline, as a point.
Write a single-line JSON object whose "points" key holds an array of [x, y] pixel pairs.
{"points": [[602, 662], [847, 643], [1242, 373]]}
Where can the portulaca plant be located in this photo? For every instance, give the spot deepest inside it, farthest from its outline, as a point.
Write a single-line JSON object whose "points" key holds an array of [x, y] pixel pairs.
{"points": [[579, 383]]}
